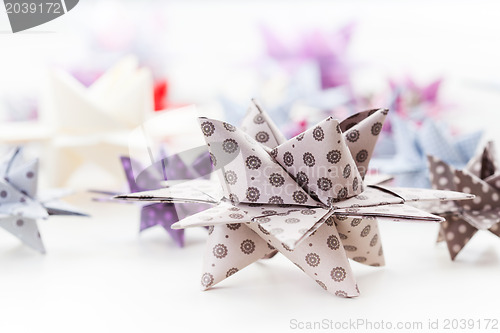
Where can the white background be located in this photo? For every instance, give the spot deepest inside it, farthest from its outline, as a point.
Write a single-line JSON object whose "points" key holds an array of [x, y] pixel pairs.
{"points": [[100, 276]]}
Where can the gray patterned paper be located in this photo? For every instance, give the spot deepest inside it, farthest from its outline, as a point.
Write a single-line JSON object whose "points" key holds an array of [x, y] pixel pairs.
{"points": [[318, 214]]}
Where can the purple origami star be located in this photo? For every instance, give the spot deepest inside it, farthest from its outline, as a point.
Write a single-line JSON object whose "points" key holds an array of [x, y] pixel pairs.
{"points": [[416, 101], [328, 50], [171, 168]]}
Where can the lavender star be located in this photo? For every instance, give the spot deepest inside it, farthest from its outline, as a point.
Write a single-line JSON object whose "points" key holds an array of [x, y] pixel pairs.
{"points": [[171, 168]]}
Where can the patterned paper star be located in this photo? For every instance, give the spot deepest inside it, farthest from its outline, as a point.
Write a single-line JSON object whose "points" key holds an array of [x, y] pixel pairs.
{"points": [[20, 206], [304, 198], [480, 177], [294, 102]]}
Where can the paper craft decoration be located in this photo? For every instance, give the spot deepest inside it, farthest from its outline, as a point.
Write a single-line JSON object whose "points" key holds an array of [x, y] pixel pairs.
{"points": [[293, 101], [303, 81], [304, 198], [21, 206], [411, 102], [327, 50], [480, 177], [416, 101], [92, 124], [413, 144], [165, 214], [81, 125]]}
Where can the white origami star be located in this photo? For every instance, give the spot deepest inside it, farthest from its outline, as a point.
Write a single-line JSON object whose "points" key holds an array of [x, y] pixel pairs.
{"points": [[81, 125]]}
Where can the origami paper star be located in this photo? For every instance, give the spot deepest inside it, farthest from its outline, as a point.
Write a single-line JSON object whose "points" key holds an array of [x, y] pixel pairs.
{"points": [[165, 214], [91, 124], [413, 144], [80, 125], [411, 102], [416, 101], [327, 50], [306, 80], [480, 177], [304, 197], [293, 101], [20, 206]]}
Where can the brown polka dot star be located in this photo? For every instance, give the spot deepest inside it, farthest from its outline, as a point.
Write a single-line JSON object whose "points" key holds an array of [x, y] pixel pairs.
{"points": [[480, 177]]}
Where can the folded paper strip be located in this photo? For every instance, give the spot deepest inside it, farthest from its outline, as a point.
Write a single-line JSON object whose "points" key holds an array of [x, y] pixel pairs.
{"points": [[304, 198], [172, 168], [480, 177], [21, 206], [92, 124]]}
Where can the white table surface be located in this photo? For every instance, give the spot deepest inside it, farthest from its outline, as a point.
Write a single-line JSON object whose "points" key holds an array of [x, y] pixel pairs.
{"points": [[99, 275]]}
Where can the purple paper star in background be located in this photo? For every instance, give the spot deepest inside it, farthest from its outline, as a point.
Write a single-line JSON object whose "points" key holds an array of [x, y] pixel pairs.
{"points": [[328, 50], [417, 101], [171, 168]]}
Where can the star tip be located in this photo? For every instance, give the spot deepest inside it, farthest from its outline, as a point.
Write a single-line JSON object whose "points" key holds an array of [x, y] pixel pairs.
{"points": [[453, 255], [353, 295]]}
